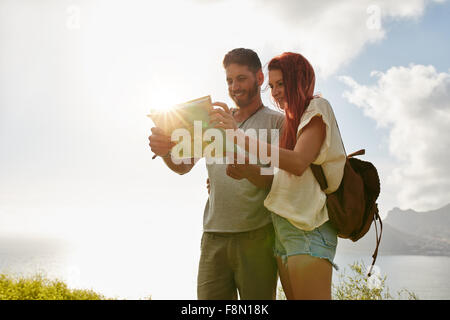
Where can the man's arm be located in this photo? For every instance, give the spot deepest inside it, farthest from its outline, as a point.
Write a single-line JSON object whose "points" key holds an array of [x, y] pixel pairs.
{"points": [[261, 181], [252, 173], [161, 145], [181, 168]]}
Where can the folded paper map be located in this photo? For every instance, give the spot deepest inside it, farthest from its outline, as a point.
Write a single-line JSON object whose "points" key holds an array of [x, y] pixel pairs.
{"points": [[185, 116]]}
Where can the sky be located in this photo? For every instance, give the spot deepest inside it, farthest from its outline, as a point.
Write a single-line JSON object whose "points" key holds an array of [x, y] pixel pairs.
{"points": [[77, 79]]}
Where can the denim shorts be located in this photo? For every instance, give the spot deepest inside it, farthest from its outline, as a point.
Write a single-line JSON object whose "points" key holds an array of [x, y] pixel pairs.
{"points": [[290, 240]]}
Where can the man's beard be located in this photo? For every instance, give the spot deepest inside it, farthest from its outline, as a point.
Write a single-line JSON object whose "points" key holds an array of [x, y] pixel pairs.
{"points": [[250, 95]]}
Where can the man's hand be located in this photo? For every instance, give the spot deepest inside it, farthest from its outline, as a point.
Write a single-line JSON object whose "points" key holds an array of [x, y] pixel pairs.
{"points": [[222, 118], [208, 185], [160, 143]]}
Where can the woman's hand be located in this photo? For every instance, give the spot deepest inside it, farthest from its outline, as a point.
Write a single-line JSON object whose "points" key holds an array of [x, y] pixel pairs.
{"points": [[222, 118]]}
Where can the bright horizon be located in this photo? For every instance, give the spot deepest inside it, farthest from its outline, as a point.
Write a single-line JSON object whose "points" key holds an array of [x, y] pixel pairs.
{"points": [[77, 79]]}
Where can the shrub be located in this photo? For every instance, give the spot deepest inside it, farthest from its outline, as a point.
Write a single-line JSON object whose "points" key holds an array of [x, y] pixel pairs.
{"points": [[40, 288]]}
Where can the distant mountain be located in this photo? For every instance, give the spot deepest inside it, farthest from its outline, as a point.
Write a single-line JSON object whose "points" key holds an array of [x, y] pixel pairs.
{"points": [[433, 225], [407, 232]]}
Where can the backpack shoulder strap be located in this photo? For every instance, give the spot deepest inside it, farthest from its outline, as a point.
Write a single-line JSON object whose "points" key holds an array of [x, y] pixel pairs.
{"points": [[317, 169], [319, 175]]}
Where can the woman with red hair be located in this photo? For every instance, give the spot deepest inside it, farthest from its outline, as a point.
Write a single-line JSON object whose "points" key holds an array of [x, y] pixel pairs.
{"points": [[306, 241]]}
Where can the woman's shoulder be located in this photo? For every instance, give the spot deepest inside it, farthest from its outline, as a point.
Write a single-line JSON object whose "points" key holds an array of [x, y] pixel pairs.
{"points": [[319, 103], [316, 106]]}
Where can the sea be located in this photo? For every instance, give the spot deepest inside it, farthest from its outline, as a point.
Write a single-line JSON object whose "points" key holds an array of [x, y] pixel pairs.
{"points": [[425, 276]]}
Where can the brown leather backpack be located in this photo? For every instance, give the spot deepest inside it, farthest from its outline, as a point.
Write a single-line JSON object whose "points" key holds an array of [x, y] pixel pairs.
{"points": [[352, 207]]}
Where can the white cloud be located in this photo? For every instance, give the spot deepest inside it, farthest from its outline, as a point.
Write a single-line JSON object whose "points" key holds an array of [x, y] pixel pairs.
{"points": [[414, 104], [331, 33]]}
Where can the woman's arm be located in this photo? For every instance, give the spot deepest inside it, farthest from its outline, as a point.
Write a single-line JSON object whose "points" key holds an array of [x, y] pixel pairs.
{"points": [[306, 149], [295, 161]]}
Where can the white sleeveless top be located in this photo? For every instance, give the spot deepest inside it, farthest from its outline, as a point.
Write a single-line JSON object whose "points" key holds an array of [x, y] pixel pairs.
{"points": [[299, 198]]}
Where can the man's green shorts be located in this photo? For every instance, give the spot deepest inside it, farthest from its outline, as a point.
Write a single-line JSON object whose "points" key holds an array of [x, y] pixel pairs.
{"points": [[238, 262]]}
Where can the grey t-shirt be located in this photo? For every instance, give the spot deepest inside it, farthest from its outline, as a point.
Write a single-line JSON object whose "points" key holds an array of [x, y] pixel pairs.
{"points": [[238, 205]]}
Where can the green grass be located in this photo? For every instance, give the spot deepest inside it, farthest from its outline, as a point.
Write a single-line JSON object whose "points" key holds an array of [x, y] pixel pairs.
{"points": [[39, 287]]}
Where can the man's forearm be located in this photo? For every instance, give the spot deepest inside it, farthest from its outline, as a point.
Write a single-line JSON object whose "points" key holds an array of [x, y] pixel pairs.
{"points": [[180, 168], [259, 180]]}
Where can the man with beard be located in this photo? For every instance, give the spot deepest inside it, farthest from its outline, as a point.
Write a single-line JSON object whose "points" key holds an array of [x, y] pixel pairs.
{"points": [[237, 242]]}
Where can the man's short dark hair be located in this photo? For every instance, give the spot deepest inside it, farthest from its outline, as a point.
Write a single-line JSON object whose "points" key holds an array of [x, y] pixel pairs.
{"points": [[244, 57]]}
